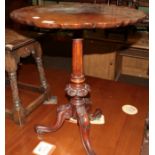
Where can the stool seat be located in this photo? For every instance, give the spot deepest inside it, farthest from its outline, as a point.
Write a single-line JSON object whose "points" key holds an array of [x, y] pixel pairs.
{"points": [[20, 44], [12, 35], [16, 38]]}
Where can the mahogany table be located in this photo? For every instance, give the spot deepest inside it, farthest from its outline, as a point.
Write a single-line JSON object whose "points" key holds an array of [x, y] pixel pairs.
{"points": [[76, 16]]}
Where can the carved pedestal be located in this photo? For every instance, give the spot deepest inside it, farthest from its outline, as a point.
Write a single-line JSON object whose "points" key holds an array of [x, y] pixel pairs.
{"points": [[77, 89]]}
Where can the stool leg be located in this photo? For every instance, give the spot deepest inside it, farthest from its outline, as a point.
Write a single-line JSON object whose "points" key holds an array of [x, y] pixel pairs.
{"points": [[37, 55], [18, 110], [41, 73]]}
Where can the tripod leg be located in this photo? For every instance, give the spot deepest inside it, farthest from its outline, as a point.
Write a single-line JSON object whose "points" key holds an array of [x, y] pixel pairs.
{"points": [[63, 112], [84, 126]]}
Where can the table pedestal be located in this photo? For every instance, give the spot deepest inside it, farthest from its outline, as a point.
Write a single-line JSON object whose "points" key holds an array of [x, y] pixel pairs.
{"points": [[79, 105]]}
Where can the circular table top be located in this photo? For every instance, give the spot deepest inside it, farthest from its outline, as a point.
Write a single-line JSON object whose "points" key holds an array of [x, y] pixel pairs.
{"points": [[77, 16]]}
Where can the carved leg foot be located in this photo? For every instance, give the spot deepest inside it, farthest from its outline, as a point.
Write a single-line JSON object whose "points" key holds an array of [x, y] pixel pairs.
{"points": [[97, 114], [63, 112]]}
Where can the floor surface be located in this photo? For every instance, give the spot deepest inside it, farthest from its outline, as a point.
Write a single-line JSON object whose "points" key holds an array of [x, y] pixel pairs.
{"points": [[65, 64]]}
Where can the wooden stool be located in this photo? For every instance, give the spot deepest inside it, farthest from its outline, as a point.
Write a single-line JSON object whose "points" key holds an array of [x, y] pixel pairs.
{"points": [[20, 46]]}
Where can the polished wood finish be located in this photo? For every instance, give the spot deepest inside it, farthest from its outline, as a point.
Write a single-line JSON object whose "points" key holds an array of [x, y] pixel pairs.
{"points": [[77, 64], [77, 16], [121, 134]]}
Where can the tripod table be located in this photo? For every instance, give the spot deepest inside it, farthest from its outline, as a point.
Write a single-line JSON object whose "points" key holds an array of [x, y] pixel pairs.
{"points": [[76, 17]]}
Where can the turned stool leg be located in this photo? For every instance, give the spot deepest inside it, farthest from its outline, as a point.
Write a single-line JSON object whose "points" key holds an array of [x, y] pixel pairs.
{"points": [[37, 54], [18, 110]]}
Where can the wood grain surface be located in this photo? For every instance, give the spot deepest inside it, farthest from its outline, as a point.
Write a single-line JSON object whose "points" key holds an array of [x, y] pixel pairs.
{"points": [[77, 16]]}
